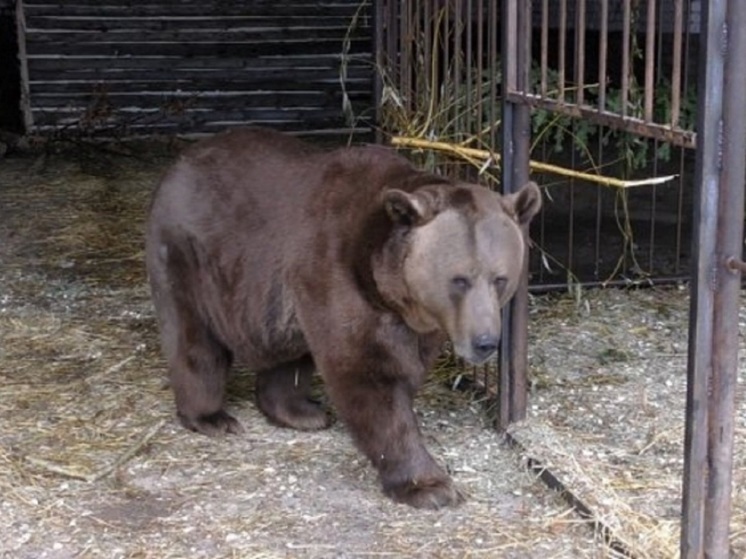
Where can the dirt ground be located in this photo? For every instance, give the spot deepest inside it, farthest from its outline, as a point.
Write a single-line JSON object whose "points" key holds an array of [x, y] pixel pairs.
{"points": [[93, 463]]}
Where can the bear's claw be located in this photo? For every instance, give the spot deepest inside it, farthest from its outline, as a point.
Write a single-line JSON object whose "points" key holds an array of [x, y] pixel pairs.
{"points": [[213, 424], [301, 414], [433, 494]]}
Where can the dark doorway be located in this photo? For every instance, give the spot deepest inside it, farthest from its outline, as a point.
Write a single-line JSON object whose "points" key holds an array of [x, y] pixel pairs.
{"points": [[10, 74]]}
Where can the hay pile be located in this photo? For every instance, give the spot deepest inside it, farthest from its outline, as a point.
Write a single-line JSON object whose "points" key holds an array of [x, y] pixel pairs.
{"points": [[608, 409]]}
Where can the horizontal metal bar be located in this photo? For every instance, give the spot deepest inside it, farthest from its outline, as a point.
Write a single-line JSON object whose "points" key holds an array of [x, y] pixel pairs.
{"points": [[554, 482], [539, 288], [664, 133]]}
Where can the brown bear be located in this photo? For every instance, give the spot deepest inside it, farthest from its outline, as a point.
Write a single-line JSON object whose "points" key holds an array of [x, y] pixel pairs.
{"points": [[264, 250]]}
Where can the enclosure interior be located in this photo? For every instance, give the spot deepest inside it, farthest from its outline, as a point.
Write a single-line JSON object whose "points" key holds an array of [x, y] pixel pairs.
{"points": [[442, 80]]}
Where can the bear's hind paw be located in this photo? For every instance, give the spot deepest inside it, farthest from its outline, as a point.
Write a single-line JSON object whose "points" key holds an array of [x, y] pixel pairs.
{"points": [[301, 414], [213, 424]]}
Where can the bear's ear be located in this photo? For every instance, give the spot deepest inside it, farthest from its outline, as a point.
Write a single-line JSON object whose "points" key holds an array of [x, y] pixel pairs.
{"points": [[409, 209], [525, 203]]}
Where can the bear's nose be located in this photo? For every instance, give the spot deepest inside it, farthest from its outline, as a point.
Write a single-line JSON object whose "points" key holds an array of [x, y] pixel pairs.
{"points": [[484, 346]]}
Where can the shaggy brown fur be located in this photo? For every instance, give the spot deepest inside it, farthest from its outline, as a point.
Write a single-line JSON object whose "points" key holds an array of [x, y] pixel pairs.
{"points": [[262, 249]]}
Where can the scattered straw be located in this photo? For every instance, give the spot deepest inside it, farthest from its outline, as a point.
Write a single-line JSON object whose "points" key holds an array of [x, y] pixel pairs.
{"points": [[127, 456]]}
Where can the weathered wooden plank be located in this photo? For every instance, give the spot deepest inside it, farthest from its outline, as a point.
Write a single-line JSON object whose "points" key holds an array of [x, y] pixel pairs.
{"points": [[158, 62], [333, 131], [194, 116], [329, 126], [182, 10], [232, 35], [164, 23], [206, 63], [329, 82], [155, 74], [305, 125], [218, 48], [132, 80], [268, 99], [198, 3]]}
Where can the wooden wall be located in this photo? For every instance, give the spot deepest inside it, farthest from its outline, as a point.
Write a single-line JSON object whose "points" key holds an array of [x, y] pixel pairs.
{"points": [[144, 67]]}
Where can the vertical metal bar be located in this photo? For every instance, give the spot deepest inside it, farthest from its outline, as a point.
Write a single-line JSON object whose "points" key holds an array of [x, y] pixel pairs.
{"points": [[494, 69], [649, 61], [524, 64], [544, 45], [681, 189], [521, 147], [415, 33], [678, 22], [543, 234], [706, 279], [469, 127], [571, 209], [653, 209], [481, 92], [430, 51], [603, 51], [660, 15], [599, 212], [381, 57], [404, 51], [561, 49], [458, 51], [515, 146], [392, 43], [580, 27], [509, 43], [626, 21], [727, 299], [446, 78]]}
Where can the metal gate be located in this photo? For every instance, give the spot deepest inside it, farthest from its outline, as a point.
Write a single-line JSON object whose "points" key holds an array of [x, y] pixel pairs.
{"points": [[719, 199], [466, 76]]}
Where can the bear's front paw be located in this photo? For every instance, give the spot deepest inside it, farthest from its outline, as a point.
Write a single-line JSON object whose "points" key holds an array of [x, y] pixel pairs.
{"points": [[218, 423], [426, 494]]}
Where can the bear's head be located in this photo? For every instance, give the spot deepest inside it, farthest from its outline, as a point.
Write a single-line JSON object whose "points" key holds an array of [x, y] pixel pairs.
{"points": [[454, 258]]}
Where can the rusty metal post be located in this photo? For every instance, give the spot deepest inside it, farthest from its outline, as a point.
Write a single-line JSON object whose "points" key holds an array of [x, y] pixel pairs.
{"points": [[713, 331], [516, 130]]}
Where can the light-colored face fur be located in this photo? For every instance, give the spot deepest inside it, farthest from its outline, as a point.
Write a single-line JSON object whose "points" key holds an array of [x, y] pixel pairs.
{"points": [[461, 274], [462, 266]]}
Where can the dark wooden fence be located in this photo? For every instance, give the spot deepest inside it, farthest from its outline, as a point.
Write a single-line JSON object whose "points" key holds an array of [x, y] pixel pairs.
{"points": [[138, 67]]}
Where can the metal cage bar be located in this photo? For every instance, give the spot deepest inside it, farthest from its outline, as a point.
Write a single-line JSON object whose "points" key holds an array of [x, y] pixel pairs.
{"points": [[716, 282], [516, 132]]}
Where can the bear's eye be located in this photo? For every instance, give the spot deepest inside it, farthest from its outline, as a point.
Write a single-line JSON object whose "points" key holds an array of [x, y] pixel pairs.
{"points": [[461, 283], [500, 283]]}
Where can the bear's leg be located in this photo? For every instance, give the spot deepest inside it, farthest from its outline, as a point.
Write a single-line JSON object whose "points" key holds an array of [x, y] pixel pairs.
{"points": [[379, 414], [198, 364], [283, 395], [198, 374]]}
